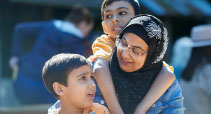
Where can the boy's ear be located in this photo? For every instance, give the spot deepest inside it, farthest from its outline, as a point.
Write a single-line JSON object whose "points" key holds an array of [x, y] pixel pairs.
{"points": [[104, 27], [58, 88]]}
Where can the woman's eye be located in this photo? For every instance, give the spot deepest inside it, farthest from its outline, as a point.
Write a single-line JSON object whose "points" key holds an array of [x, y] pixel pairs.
{"points": [[136, 51], [124, 43]]}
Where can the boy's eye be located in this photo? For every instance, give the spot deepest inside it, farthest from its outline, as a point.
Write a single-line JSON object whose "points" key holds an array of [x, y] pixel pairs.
{"points": [[122, 13], [108, 16], [83, 78], [93, 77]]}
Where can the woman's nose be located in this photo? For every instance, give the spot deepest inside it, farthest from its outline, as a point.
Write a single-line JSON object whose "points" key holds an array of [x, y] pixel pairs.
{"points": [[126, 53]]}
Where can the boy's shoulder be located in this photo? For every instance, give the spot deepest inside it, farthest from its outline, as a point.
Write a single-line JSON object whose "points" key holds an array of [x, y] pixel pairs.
{"points": [[96, 109], [105, 38], [54, 111]]}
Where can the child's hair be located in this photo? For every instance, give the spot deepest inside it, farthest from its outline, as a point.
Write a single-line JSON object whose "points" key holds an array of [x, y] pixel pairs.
{"points": [[134, 3], [79, 14], [58, 67]]}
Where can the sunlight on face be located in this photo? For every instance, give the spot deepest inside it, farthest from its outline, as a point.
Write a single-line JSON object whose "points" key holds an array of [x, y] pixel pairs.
{"points": [[81, 88], [116, 15], [129, 61]]}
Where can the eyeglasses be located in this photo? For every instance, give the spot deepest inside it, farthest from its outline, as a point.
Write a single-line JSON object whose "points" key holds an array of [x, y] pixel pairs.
{"points": [[137, 51]]}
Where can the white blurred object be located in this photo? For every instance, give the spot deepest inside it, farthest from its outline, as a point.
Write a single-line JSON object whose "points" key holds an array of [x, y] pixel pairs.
{"points": [[201, 35], [181, 54]]}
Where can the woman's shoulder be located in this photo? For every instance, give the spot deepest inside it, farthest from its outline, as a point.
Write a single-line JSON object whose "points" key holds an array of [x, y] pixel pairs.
{"points": [[168, 67], [167, 71]]}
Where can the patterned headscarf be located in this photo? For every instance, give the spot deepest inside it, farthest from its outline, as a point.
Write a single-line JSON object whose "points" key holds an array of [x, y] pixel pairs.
{"points": [[131, 87]]}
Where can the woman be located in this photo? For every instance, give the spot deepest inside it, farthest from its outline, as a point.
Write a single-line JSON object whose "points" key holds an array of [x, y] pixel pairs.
{"points": [[137, 60]]}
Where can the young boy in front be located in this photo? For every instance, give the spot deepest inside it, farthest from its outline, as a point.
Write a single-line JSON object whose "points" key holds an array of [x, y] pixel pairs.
{"points": [[69, 78]]}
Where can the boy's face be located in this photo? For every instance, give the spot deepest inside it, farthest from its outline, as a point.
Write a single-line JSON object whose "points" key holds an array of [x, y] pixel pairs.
{"points": [[116, 15], [81, 88]]}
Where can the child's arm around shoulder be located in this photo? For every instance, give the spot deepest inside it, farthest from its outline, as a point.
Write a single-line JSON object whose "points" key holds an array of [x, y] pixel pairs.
{"points": [[102, 48], [162, 82], [105, 83], [102, 51]]}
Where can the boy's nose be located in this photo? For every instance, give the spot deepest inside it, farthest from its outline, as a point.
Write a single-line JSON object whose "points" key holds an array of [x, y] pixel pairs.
{"points": [[92, 84], [115, 19]]}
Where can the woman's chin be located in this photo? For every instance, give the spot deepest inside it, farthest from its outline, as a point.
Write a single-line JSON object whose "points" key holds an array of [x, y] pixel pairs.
{"points": [[125, 68]]}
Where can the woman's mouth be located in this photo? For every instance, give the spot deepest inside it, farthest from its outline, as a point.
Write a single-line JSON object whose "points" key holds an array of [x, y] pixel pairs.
{"points": [[125, 62]]}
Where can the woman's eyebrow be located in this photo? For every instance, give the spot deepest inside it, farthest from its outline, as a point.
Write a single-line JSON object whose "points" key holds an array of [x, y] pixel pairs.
{"points": [[139, 47]]}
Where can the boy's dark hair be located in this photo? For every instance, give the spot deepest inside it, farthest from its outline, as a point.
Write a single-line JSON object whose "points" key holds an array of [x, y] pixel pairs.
{"points": [[79, 14], [134, 4], [58, 67]]}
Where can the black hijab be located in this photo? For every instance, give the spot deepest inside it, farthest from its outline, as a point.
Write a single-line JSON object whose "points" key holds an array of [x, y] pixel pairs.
{"points": [[131, 87]]}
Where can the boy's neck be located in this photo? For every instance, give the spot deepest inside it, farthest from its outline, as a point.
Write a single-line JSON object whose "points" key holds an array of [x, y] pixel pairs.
{"points": [[70, 109], [112, 38]]}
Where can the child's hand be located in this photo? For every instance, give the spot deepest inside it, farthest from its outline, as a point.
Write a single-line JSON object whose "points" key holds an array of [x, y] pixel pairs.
{"points": [[139, 110]]}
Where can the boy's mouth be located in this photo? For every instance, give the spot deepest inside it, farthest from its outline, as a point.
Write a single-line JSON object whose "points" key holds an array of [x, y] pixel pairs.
{"points": [[91, 95], [117, 28]]}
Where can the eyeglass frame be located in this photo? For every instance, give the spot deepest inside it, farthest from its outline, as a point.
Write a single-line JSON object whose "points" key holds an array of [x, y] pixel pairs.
{"points": [[122, 46]]}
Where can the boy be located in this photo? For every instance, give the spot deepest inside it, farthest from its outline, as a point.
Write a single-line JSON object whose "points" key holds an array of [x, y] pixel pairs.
{"points": [[69, 78]]}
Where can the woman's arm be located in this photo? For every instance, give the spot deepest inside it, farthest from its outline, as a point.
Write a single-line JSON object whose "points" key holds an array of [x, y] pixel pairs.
{"points": [[105, 83], [163, 81]]}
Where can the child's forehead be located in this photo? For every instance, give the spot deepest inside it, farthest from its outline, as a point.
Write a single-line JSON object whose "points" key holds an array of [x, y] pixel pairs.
{"points": [[115, 5], [82, 70]]}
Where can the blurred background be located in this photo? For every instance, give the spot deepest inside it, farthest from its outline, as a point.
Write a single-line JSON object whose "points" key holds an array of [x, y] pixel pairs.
{"points": [[178, 15]]}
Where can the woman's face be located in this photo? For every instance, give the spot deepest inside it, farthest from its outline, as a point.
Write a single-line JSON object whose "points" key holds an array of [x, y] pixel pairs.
{"points": [[116, 15], [131, 52]]}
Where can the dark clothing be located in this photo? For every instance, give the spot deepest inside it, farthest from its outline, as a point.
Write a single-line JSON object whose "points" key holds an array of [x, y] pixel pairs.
{"points": [[50, 41], [131, 87]]}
